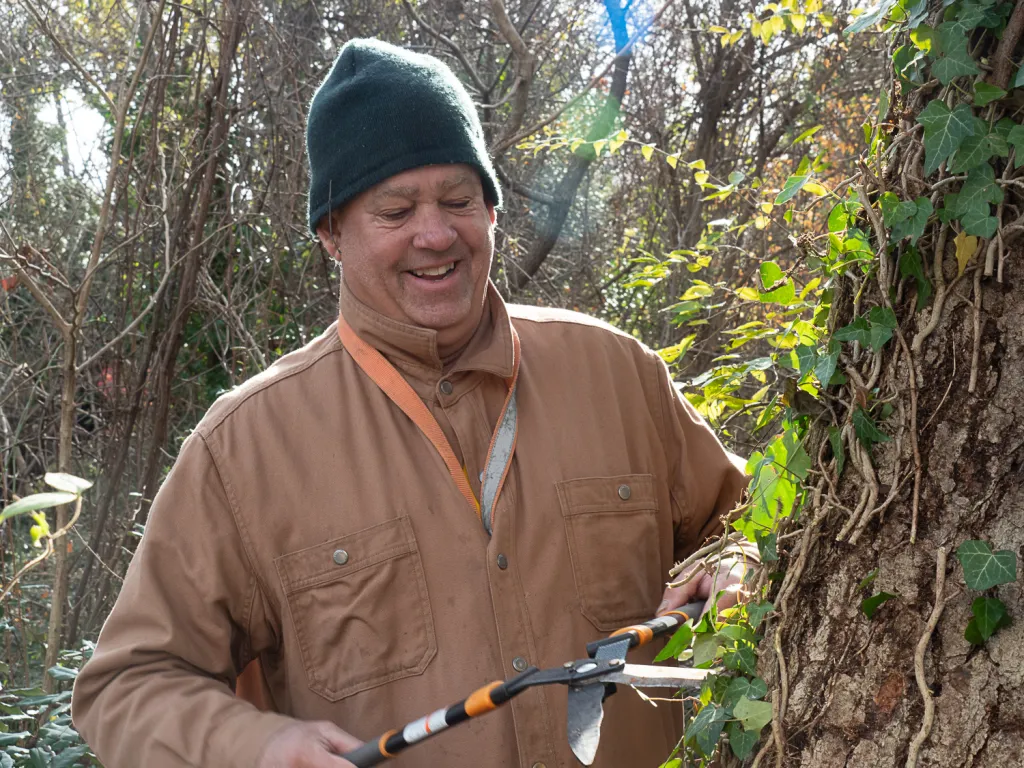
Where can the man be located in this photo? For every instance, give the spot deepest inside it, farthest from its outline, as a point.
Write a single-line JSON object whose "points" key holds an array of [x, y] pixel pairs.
{"points": [[438, 492]]}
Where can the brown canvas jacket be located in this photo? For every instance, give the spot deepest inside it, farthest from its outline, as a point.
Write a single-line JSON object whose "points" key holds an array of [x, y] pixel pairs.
{"points": [[614, 475]]}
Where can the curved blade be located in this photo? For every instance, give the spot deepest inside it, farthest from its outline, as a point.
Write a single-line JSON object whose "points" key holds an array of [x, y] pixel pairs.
{"points": [[586, 709]]}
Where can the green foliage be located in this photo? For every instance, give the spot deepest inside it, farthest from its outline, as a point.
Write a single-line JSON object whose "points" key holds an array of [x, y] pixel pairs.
{"points": [[989, 615], [983, 568], [870, 605], [35, 727], [944, 131]]}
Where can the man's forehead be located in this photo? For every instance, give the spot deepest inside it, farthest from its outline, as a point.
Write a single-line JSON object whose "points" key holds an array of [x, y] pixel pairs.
{"points": [[428, 178]]}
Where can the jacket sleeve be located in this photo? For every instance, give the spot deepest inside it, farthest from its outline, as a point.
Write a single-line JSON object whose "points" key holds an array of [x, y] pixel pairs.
{"points": [[709, 480], [158, 689]]}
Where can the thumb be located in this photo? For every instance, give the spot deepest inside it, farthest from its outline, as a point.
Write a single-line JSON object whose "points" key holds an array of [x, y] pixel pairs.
{"points": [[675, 597], [335, 740]]}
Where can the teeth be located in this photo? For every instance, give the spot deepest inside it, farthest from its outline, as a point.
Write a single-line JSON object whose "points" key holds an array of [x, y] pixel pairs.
{"points": [[435, 271]]}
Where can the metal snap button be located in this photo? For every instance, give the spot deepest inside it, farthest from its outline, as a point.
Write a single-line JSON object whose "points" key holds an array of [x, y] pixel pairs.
{"points": [[502, 562], [519, 664], [340, 556], [446, 387], [624, 492], [538, 765]]}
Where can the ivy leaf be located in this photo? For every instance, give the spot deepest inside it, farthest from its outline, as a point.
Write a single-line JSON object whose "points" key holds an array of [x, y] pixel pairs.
{"points": [[944, 131], [980, 223], [766, 546], [678, 643], [741, 741], [965, 248], [989, 615], [955, 60], [910, 266], [869, 605], [984, 568], [756, 613], [914, 225], [1015, 138], [867, 432], [705, 649], [825, 367], [743, 659], [976, 149], [985, 94], [742, 688], [858, 330], [754, 715], [706, 727], [883, 323]]}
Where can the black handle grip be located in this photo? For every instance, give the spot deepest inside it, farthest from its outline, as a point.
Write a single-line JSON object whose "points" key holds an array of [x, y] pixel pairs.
{"points": [[366, 755]]}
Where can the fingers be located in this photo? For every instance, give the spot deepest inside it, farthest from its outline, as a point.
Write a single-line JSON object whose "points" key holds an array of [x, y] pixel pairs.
{"points": [[674, 597], [335, 739]]}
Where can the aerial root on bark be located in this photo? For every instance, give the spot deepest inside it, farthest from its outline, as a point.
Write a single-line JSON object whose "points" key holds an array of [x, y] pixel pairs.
{"points": [[922, 647]]}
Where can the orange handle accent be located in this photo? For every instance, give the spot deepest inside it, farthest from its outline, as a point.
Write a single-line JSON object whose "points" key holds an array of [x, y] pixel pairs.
{"points": [[479, 701], [644, 634], [384, 740]]}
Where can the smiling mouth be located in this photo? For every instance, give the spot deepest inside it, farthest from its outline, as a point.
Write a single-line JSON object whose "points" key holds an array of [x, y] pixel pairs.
{"points": [[434, 273]]}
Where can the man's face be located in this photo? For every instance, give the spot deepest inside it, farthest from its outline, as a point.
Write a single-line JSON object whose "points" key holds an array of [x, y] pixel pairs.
{"points": [[417, 248]]}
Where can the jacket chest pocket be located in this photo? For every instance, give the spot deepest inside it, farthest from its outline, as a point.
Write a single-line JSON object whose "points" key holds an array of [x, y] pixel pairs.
{"points": [[360, 609], [612, 527]]}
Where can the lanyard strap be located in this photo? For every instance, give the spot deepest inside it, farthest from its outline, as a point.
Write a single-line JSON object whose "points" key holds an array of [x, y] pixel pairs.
{"points": [[398, 390]]}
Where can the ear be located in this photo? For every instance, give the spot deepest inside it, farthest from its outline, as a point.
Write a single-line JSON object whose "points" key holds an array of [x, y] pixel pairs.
{"points": [[491, 213], [323, 233]]}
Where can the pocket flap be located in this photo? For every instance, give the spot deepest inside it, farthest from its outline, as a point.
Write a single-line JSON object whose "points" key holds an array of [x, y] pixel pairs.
{"points": [[621, 493], [333, 559]]}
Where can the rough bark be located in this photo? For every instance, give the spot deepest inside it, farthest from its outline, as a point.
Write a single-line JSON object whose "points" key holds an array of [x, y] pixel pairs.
{"points": [[906, 687]]}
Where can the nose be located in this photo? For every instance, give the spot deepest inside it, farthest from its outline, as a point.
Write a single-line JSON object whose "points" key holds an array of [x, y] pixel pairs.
{"points": [[433, 230]]}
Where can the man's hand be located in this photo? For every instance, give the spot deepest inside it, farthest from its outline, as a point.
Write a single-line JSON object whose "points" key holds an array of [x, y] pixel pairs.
{"points": [[308, 745], [728, 579]]}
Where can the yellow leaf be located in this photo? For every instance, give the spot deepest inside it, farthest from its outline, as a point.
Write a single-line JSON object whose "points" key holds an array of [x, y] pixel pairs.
{"points": [[576, 144], [799, 22], [778, 25], [672, 159], [748, 294], [697, 165], [812, 6], [614, 145], [701, 177], [647, 151], [735, 36], [761, 222], [966, 245], [621, 136], [815, 188], [767, 207], [598, 146], [755, 28], [718, 30]]}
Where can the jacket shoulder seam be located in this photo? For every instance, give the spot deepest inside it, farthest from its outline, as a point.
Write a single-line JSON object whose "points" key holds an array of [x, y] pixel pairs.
{"points": [[208, 428]]}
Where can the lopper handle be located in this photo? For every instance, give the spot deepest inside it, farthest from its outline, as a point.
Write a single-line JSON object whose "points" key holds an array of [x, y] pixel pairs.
{"points": [[641, 634]]}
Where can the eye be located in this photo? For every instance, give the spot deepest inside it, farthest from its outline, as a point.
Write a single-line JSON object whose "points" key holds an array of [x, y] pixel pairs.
{"points": [[394, 214], [459, 204]]}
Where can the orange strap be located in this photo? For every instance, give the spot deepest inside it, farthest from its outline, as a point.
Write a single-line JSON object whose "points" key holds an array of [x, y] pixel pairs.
{"points": [[398, 390]]}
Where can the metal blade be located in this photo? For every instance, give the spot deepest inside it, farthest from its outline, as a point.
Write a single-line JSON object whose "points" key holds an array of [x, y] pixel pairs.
{"points": [[645, 676], [586, 710]]}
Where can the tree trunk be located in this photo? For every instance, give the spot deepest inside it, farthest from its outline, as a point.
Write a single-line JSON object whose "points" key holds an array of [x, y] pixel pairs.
{"points": [[906, 687]]}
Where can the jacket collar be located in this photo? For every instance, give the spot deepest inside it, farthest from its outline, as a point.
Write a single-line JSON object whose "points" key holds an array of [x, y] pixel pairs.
{"points": [[413, 350]]}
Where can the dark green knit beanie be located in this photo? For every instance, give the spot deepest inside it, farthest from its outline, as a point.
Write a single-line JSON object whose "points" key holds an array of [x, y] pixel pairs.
{"points": [[383, 110]]}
